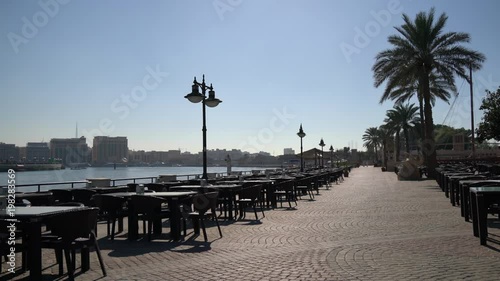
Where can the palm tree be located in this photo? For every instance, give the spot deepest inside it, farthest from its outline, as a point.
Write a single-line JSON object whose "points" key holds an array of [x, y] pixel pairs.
{"points": [[420, 49], [415, 134], [402, 117], [439, 88], [393, 125], [371, 139], [384, 134]]}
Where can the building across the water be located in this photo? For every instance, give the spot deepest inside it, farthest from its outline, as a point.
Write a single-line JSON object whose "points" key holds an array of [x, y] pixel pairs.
{"points": [[8, 152], [37, 152], [70, 150], [107, 150]]}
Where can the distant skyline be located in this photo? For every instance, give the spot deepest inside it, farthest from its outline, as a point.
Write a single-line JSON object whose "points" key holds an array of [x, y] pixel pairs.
{"points": [[122, 68]]}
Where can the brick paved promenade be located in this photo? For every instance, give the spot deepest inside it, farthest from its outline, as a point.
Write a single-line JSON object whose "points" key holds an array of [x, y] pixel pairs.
{"points": [[370, 227]]}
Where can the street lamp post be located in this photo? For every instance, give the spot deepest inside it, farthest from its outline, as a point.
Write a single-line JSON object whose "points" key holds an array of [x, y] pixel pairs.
{"points": [[301, 135], [195, 97], [322, 144], [331, 156]]}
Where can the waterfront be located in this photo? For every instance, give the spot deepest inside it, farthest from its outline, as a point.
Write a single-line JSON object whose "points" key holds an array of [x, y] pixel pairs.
{"points": [[368, 227], [34, 177]]}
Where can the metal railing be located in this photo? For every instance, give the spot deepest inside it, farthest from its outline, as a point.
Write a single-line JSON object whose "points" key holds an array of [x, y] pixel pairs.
{"points": [[39, 185], [84, 183]]}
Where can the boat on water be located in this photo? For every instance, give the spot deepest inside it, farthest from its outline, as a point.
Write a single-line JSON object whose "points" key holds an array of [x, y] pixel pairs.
{"points": [[79, 166], [30, 167]]}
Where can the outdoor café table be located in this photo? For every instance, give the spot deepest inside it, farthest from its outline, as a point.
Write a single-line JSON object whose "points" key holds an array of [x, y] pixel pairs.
{"points": [[33, 218], [36, 198], [279, 179], [267, 186], [447, 180], [102, 189], [481, 198], [109, 189], [465, 195], [298, 176], [169, 184], [227, 191], [173, 199], [454, 182]]}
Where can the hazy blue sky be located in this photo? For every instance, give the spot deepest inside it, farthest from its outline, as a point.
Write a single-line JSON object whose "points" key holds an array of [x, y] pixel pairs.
{"points": [[122, 68]]}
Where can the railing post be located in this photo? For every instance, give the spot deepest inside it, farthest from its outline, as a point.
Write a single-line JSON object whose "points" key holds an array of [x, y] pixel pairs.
{"points": [[38, 187]]}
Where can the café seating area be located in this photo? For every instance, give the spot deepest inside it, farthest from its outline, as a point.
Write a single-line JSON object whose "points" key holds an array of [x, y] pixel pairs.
{"points": [[476, 190], [369, 218], [66, 219]]}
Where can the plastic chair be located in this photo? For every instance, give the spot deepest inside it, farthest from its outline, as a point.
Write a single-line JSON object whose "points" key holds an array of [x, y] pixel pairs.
{"points": [[157, 187], [75, 230], [112, 208], [132, 187], [22, 203], [5, 247], [43, 198], [83, 196], [250, 196], [62, 195], [204, 205], [305, 186], [149, 209], [70, 204], [285, 191]]}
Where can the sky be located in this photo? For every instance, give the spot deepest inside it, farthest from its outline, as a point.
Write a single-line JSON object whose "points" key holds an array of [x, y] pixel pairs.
{"points": [[122, 68]]}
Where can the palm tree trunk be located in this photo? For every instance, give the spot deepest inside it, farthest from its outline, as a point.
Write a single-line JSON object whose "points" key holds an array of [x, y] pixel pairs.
{"points": [[422, 117], [385, 153], [376, 155], [429, 148], [422, 120], [407, 140], [397, 146]]}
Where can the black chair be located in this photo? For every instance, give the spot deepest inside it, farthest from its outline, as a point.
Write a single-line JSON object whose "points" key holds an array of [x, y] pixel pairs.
{"points": [[62, 195], [43, 198], [325, 180], [305, 186], [74, 230], [157, 187], [21, 245], [149, 209], [285, 191], [250, 197], [132, 187], [83, 195], [70, 204], [22, 203], [334, 177], [112, 208], [204, 205]]}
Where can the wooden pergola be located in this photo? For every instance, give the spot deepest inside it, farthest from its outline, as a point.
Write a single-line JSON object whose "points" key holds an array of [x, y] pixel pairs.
{"points": [[313, 156]]}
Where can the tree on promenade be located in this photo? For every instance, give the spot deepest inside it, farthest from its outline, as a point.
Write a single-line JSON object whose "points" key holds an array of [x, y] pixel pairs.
{"points": [[384, 135], [401, 118], [371, 139], [439, 89], [489, 128], [420, 50]]}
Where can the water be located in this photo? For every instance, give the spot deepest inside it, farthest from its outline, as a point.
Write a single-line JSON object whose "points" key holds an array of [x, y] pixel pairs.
{"points": [[33, 177]]}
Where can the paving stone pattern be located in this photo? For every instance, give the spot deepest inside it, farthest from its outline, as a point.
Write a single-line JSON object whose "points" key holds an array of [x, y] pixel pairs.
{"points": [[369, 227]]}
